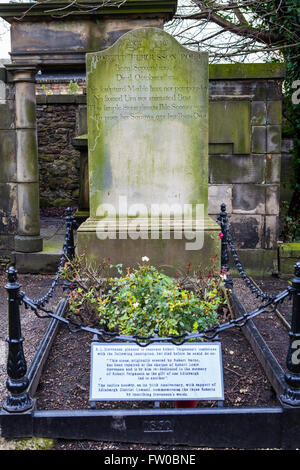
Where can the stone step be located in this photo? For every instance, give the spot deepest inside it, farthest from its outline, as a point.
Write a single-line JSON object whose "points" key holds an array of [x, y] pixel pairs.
{"points": [[47, 260]]}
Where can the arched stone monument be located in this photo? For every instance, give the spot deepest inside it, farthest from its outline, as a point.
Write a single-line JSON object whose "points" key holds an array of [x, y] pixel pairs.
{"points": [[147, 115]]}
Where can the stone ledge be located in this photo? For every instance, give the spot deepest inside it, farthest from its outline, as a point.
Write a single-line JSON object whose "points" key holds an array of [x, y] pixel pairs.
{"points": [[36, 263], [60, 99], [289, 250], [246, 71], [258, 263], [165, 8]]}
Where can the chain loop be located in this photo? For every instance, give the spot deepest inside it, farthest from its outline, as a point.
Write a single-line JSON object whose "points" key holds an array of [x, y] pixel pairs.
{"points": [[67, 254], [208, 334], [268, 305], [255, 290], [227, 241]]}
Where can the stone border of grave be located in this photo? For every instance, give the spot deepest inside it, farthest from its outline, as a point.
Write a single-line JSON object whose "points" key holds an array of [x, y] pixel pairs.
{"points": [[288, 254], [251, 427]]}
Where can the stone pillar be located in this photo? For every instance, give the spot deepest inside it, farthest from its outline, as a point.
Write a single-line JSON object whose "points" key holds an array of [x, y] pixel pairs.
{"points": [[28, 238]]}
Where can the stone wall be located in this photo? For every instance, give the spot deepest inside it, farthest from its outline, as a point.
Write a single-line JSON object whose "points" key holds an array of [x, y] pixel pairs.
{"points": [[286, 175], [58, 123], [245, 156], [59, 87], [8, 173], [245, 164], [244, 153]]}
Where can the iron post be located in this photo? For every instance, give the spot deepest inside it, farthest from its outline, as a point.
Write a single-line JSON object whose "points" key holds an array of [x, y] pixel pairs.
{"points": [[291, 396], [18, 399], [223, 220], [69, 244], [69, 237]]}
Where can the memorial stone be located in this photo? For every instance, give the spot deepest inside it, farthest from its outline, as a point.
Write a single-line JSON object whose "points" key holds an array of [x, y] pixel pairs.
{"points": [[147, 115]]}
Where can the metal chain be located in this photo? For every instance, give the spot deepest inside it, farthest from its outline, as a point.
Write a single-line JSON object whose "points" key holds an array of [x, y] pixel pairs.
{"points": [[255, 290], [67, 253], [208, 334], [227, 241], [268, 306]]}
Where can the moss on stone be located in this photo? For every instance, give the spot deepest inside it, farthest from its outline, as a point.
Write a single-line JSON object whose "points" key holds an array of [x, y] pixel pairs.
{"points": [[244, 71], [30, 111], [234, 127], [34, 443], [274, 112], [289, 250], [61, 202]]}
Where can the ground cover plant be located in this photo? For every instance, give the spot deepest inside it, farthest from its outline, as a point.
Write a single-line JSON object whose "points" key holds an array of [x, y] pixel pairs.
{"points": [[143, 300]]}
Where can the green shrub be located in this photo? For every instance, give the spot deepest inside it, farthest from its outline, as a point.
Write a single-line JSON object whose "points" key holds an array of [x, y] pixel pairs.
{"points": [[143, 299], [73, 88], [290, 230]]}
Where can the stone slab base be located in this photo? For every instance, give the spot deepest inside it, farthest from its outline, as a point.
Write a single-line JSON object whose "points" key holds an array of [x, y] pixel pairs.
{"points": [[123, 245], [288, 255], [36, 263], [257, 263], [28, 244]]}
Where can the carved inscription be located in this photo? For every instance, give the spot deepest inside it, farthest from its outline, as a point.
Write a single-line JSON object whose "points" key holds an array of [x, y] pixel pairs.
{"points": [[147, 99], [161, 425], [145, 87]]}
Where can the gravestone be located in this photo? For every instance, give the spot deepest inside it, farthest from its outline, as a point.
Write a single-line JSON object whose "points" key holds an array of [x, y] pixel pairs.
{"points": [[147, 115]]}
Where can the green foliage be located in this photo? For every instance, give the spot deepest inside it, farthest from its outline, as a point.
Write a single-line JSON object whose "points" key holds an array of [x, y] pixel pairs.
{"points": [[73, 88], [276, 24], [143, 299], [288, 32], [282, 19], [47, 92], [290, 225]]}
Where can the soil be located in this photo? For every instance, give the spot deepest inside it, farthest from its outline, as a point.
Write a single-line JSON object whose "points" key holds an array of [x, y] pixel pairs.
{"points": [[65, 381]]}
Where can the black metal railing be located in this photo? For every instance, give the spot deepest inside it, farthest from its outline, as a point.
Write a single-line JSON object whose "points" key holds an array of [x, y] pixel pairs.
{"points": [[228, 242], [18, 399]]}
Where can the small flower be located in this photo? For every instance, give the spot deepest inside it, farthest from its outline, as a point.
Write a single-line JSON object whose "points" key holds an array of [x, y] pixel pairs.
{"points": [[145, 258], [221, 235], [136, 304]]}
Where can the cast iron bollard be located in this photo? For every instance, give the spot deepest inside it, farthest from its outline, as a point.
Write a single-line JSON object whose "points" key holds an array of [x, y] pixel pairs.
{"points": [[69, 238], [18, 399], [69, 245], [291, 395], [224, 246]]}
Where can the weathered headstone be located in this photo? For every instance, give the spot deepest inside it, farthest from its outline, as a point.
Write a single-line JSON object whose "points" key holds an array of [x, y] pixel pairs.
{"points": [[147, 100]]}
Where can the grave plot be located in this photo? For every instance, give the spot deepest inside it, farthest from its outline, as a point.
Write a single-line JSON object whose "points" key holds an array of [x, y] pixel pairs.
{"points": [[272, 423]]}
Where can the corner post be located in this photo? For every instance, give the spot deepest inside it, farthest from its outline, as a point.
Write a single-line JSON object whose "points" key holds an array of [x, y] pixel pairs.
{"points": [[291, 395], [69, 237], [18, 399], [223, 220], [69, 245]]}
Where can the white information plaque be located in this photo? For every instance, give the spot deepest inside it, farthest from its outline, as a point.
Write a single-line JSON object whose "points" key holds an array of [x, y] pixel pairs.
{"points": [[192, 371]]}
